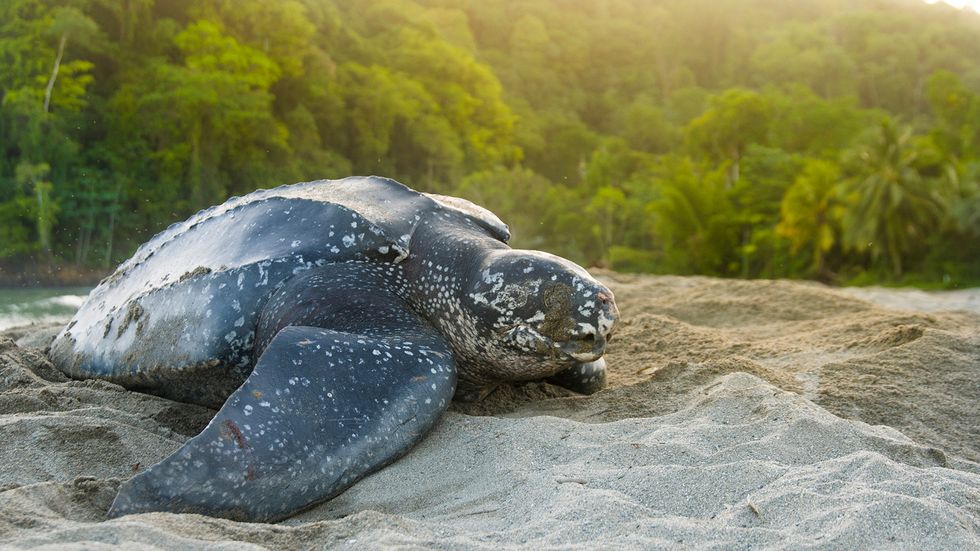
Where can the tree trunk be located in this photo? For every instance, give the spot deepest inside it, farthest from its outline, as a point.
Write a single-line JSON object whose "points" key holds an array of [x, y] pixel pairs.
{"points": [[112, 225], [734, 171], [42, 191], [54, 72], [896, 260], [85, 239], [198, 193], [745, 253]]}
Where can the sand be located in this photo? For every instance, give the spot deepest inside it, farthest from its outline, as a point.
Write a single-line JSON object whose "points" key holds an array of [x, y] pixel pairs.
{"points": [[740, 414]]}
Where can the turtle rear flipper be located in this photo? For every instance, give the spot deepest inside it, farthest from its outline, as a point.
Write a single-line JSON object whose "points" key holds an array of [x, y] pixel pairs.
{"points": [[321, 410]]}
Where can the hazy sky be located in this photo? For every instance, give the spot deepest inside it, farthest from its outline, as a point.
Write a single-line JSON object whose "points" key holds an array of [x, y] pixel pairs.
{"points": [[975, 4]]}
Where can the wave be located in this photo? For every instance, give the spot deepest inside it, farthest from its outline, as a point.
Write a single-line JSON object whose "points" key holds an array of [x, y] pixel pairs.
{"points": [[25, 310], [70, 301]]}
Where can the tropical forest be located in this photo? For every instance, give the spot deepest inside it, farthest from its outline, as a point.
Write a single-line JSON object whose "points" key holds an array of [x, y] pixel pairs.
{"points": [[836, 140]]}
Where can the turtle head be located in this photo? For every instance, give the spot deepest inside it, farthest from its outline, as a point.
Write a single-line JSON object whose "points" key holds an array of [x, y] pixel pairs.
{"points": [[541, 310]]}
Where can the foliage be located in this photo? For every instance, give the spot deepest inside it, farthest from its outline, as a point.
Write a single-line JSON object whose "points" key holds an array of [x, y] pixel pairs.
{"points": [[827, 139], [890, 205], [810, 215]]}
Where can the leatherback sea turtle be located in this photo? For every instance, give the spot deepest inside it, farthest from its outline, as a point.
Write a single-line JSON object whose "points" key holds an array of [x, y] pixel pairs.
{"points": [[334, 320]]}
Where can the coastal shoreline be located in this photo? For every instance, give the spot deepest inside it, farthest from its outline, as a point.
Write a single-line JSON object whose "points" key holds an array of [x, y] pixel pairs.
{"points": [[49, 275]]}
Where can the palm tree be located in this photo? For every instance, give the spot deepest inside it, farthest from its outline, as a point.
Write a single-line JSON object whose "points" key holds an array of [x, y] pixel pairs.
{"points": [[693, 219], [889, 207], [809, 212]]}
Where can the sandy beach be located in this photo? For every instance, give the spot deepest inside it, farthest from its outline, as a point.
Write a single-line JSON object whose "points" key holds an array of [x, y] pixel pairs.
{"points": [[739, 415]]}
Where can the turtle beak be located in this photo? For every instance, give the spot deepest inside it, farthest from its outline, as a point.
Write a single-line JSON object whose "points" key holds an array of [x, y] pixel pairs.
{"points": [[586, 347]]}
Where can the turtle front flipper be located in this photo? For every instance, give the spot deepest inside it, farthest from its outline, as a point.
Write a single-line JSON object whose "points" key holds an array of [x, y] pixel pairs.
{"points": [[321, 410], [584, 378]]}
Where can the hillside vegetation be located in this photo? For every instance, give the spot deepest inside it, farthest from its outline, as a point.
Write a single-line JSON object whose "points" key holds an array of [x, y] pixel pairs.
{"points": [[828, 139]]}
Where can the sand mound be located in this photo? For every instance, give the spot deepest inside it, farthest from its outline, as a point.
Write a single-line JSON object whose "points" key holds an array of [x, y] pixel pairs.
{"points": [[733, 420], [918, 372]]}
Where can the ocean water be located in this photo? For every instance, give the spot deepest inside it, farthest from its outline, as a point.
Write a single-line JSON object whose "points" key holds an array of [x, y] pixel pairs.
{"points": [[25, 306]]}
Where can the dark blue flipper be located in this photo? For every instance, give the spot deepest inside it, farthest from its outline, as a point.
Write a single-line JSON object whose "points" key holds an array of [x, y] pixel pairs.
{"points": [[321, 410], [587, 378]]}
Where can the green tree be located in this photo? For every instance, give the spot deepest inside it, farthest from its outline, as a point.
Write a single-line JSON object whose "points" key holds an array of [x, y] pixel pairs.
{"points": [[803, 122], [540, 214], [958, 111], [805, 54], [40, 94], [645, 126], [281, 30], [467, 93], [393, 125], [68, 23], [890, 208], [607, 211], [734, 120], [767, 173], [692, 219], [558, 146], [33, 176], [810, 213], [209, 118]]}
